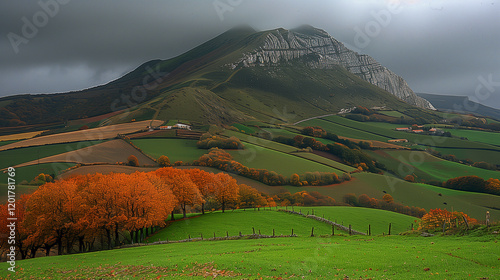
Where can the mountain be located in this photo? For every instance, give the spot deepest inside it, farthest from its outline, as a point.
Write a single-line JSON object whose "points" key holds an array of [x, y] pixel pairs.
{"points": [[460, 104], [282, 75]]}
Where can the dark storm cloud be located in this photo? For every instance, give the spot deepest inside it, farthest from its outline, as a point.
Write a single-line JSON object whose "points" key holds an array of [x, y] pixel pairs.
{"points": [[437, 46]]}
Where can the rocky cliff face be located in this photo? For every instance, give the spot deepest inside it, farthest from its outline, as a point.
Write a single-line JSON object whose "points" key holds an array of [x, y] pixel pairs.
{"points": [[317, 49]]}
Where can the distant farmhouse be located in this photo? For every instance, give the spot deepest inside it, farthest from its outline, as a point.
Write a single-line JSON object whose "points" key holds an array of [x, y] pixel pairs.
{"points": [[416, 129], [175, 126]]}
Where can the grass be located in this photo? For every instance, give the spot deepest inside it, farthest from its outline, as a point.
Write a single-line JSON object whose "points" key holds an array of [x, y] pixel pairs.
{"points": [[326, 161], [387, 131], [344, 131], [254, 156], [260, 141], [234, 222], [427, 167], [472, 154], [492, 138], [7, 142], [244, 128], [389, 257], [175, 149], [392, 114], [16, 156], [238, 221], [360, 218], [412, 194]]}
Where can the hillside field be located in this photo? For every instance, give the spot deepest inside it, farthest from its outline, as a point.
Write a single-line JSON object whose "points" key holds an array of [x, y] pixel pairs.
{"points": [[404, 257], [411, 194], [427, 167], [17, 156], [266, 220], [175, 149]]}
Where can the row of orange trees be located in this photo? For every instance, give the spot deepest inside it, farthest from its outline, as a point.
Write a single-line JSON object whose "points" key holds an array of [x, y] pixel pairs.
{"points": [[84, 211]]}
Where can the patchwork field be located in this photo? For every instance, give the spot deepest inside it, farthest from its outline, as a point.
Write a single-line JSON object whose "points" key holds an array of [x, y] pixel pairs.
{"points": [[20, 136], [427, 167], [411, 194], [93, 134], [17, 156], [175, 149], [108, 152], [472, 154], [387, 131], [285, 164], [492, 138], [345, 131]]}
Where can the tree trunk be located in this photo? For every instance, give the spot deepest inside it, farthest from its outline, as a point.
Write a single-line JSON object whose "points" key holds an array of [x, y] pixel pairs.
{"points": [[203, 208], [223, 206], [47, 248], [81, 244], [59, 246], [117, 237], [184, 211], [172, 216], [108, 234]]}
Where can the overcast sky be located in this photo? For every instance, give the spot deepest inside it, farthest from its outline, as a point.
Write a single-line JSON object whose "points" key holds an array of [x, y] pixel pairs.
{"points": [[437, 46]]}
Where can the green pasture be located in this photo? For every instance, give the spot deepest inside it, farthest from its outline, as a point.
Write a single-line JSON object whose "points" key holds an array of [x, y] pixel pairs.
{"points": [[326, 161], [175, 149], [260, 141], [392, 114], [387, 130], [427, 167], [472, 154], [17, 156], [411, 194], [8, 142], [344, 131], [492, 138], [359, 218], [337, 257], [244, 128], [234, 222], [254, 156], [29, 172]]}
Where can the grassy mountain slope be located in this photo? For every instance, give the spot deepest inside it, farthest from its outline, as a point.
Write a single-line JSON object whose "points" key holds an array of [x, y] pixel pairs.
{"points": [[200, 85]]}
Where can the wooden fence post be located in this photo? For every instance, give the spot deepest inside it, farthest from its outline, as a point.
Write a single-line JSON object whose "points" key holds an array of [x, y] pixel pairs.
{"points": [[350, 230], [273, 232], [312, 232], [227, 234], [390, 228], [201, 236], [292, 232], [333, 230], [369, 229], [253, 229]]}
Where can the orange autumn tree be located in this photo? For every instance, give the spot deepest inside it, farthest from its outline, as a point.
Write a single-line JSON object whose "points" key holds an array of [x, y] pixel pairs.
{"points": [[184, 190], [22, 242], [55, 209], [436, 218], [225, 189], [204, 182], [250, 197], [146, 202]]}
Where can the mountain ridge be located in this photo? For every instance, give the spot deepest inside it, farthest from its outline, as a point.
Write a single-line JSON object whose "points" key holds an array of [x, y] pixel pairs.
{"points": [[306, 83]]}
